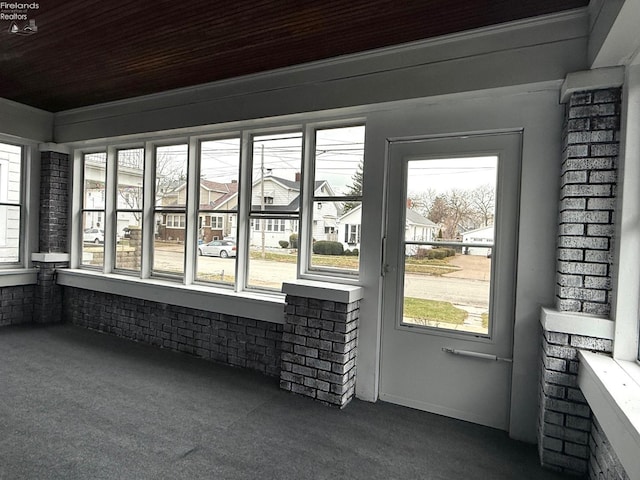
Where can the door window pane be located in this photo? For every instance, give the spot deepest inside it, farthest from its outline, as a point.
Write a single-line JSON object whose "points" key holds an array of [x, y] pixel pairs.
{"points": [[449, 237]]}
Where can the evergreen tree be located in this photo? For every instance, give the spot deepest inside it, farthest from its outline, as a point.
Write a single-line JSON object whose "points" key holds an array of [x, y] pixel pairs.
{"points": [[355, 188]]}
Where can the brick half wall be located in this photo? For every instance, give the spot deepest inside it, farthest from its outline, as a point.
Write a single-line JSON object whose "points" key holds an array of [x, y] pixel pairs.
{"points": [[236, 341], [16, 304]]}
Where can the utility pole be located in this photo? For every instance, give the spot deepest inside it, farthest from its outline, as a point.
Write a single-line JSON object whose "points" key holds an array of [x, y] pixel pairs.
{"points": [[262, 195]]}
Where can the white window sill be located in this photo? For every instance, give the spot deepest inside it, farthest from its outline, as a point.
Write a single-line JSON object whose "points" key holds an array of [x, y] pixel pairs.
{"points": [[611, 387], [323, 290], [18, 276], [257, 306]]}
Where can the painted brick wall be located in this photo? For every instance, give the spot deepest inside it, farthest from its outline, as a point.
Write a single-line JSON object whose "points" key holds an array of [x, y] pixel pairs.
{"points": [[47, 301], [319, 347], [564, 422], [54, 202], [587, 201], [604, 463], [228, 339], [568, 438], [16, 304]]}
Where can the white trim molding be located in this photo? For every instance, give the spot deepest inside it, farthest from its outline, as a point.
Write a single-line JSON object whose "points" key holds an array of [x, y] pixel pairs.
{"points": [[614, 398], [255, 306], [323, 290], [577, 323], [596, 79], [50, 257], [18, 276]]}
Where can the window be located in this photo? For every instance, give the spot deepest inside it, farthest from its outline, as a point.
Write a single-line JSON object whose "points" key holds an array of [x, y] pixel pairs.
{"points": [[337, 197], [129, 198], [93, 208], [169, 231], [170, 184], [216, 223], [219, 173], [277, 163], [10, 202]]}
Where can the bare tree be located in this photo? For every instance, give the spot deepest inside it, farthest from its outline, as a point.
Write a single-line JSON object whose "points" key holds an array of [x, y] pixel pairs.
{"points": [[169, 176], [483, 202], [423, 201]]}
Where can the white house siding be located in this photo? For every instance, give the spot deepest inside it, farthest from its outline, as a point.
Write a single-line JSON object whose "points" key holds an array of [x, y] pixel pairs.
{"points": [[349, 228], [479, 235]]}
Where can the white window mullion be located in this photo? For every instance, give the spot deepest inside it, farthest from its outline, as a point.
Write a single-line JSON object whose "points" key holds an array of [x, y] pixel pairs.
{"points": [[148, 202], [305, 231], [193, 190], [109, 223], [244, 205]]}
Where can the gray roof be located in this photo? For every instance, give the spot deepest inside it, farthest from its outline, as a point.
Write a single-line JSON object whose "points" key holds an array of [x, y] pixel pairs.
{"points": [[415, 217]]}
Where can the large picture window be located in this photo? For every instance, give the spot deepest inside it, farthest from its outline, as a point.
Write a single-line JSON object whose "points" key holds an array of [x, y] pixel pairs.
{"points": [[230, 211], [10, 202]]}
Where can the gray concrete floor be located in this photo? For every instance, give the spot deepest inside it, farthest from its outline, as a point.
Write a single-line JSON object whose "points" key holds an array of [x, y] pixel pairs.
{"points": [[76, 404]]}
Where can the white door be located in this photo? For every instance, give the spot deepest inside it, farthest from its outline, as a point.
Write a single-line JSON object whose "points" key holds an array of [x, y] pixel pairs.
{"points": [[449, 295]]}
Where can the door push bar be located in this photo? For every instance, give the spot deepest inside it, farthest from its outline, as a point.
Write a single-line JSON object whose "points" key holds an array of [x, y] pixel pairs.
{"points": [[483, 356]]}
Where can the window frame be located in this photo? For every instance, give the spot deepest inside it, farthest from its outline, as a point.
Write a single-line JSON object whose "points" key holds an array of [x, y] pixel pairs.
{"points": [[117, 210], [177, 211], [101, 212], [25, 152], [306, 269], [244, 215]]}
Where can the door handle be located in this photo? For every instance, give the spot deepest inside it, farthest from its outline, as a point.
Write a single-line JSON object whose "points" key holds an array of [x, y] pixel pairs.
{"points": [[483, 356]]}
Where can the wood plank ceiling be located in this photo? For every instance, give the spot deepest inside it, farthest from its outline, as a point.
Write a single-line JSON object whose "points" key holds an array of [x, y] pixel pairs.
{"points": [[93, 51]]}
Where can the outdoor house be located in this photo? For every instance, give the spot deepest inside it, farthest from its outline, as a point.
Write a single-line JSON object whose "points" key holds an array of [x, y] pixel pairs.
{"points": [[211, 224], [418, 228], [479, 235], [426, 208], [273, 194]]}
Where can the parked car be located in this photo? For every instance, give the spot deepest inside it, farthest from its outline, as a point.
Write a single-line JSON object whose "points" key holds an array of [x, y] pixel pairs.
{"points": [[218, 248], [93, 235]]}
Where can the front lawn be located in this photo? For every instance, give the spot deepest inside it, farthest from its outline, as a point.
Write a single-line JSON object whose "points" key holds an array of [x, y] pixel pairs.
{"points": [[422, 311]]}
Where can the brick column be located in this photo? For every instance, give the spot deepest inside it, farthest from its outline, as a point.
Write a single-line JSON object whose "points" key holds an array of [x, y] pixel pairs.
{"points": [[54, 231], [54, 201], [319, 347], [583, 280], [587, 202]]}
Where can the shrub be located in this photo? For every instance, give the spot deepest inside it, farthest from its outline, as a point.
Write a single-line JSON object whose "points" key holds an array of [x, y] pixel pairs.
{"points": [[355, 252], [293, 240], [283, 243], [325, 247], [436, 253]]}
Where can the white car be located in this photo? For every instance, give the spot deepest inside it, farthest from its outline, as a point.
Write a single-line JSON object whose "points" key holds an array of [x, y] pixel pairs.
{"points": [[218, 248], [93, 235]]}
